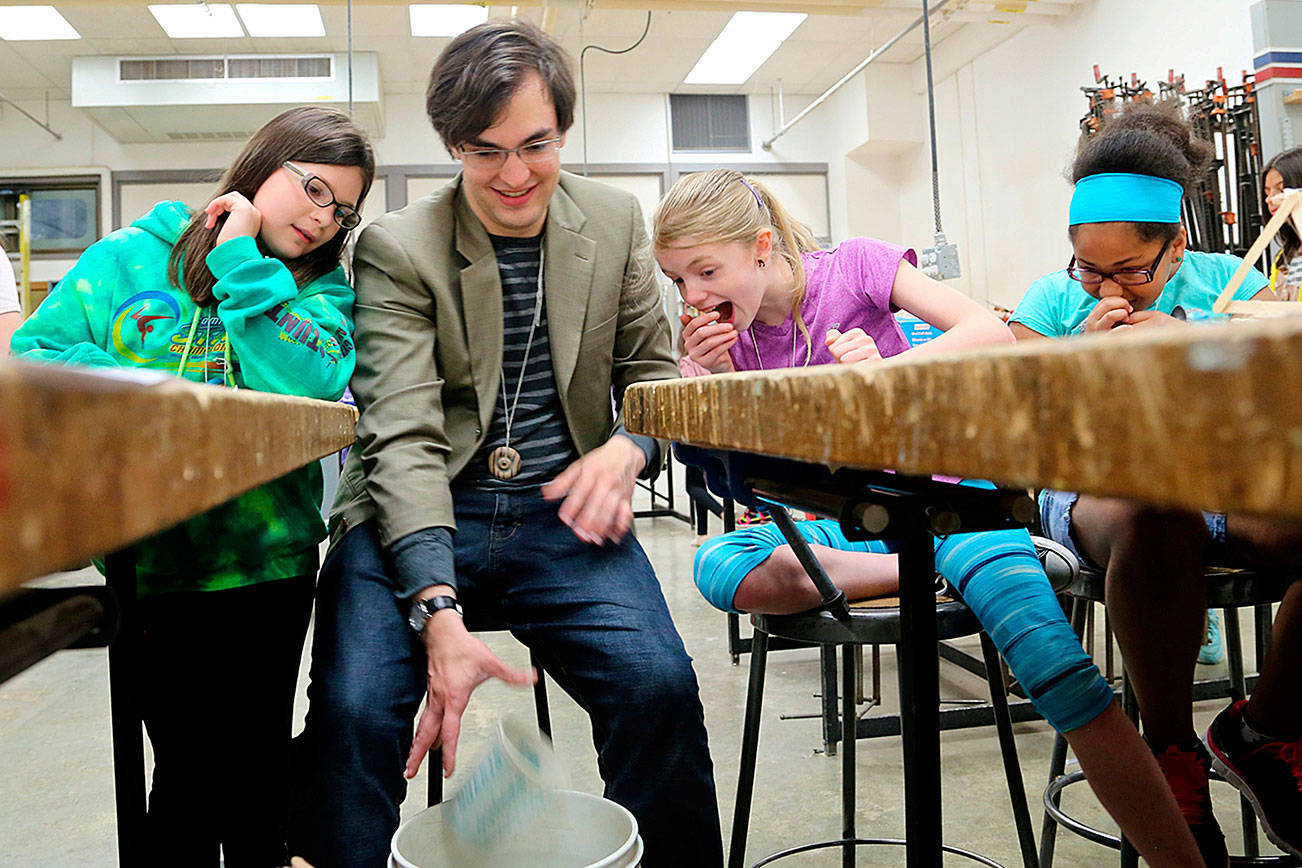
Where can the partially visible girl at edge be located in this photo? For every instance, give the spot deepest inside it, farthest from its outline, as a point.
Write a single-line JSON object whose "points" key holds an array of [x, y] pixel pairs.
{"points": [[247, 292], [1284, 172], [770, 300]]}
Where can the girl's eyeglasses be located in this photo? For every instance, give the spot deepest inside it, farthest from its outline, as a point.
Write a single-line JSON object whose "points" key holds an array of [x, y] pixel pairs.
{"points": [[322, 196], [1124, 277]]}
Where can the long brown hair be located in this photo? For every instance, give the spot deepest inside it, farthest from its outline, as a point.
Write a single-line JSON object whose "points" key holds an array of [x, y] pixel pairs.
{"points": [[724, 205], [308, 134]]}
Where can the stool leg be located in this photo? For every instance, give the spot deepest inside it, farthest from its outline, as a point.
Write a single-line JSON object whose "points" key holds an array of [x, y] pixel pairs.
{"points": [[1129, 704], [759, 651], [1008, 747], [540, 697], [849, 740], [1264, 627], [1239, 690], [827, 672], [1049, 827]]}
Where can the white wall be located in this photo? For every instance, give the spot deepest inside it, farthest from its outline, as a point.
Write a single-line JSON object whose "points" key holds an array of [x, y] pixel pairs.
{"points": [[1007, 127]]}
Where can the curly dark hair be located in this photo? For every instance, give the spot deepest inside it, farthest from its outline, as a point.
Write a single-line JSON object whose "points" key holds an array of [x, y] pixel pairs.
{"points": [[1147, 139]]}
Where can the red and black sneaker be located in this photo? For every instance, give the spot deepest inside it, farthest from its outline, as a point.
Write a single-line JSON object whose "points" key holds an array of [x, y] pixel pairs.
{"points": [[1268, 773], [1185, 770]]}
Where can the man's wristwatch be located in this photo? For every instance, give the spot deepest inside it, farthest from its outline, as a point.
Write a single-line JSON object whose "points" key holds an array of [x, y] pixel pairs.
{"points": [[423, 610]]}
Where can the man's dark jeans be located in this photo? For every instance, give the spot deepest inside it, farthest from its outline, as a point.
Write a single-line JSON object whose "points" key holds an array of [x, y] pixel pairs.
{"points": [[597, 620]]}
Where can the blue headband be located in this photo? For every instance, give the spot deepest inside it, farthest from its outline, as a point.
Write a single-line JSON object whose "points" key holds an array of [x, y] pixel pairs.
{"points": [[1118, 197]]}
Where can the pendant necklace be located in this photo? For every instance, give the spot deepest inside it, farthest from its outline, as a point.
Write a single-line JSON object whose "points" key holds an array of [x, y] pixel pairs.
{"points": [[504, 461], [760, 359]]}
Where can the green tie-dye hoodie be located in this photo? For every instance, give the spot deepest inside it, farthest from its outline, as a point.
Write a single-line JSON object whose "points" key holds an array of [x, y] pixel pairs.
{"points": [[116, 308]]}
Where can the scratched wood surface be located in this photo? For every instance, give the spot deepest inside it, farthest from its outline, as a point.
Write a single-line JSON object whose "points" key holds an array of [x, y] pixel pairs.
{"points": [[90, 462], [1206, 417]]}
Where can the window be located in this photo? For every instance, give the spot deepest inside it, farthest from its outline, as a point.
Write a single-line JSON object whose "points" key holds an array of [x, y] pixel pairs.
{"points": [[65, 214], [709, 122]]}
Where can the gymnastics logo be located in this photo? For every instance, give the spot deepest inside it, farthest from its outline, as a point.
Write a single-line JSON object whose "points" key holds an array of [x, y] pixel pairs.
{"points": [[137, 316]]}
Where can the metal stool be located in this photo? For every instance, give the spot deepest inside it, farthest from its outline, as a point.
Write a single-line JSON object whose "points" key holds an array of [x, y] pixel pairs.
{"points": [[1228, 589], [871, 622], [435, 755]]}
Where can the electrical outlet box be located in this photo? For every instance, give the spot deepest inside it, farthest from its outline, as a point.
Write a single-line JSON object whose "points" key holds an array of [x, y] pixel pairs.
{"points": [[941, 261]]}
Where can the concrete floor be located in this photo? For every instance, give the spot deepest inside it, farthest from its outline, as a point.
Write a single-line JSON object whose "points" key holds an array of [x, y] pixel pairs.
{"points": [[56, 799]]}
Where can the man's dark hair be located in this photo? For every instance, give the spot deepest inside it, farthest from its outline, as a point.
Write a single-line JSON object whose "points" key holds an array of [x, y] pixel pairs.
{"points": [[477, 73]]}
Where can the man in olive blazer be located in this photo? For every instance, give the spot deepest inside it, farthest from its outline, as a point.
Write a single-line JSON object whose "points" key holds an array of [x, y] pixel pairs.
{"points": [[498, 322]]}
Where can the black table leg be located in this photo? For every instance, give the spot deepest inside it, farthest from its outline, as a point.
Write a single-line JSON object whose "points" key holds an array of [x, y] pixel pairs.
{"points": [[124, 704], [920, 699]]}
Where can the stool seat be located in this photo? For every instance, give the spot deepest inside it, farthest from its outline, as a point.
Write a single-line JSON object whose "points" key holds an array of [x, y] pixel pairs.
{"points": [[867, 622], [871, 622], [1227, 587]]}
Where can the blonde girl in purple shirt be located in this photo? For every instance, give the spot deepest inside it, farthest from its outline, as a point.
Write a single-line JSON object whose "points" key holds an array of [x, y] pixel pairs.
{"points": [[768, 298]]}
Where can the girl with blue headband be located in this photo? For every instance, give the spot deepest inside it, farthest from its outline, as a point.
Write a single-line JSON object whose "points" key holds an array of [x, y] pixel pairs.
{"points": [[1131, 270], [769, 295]]}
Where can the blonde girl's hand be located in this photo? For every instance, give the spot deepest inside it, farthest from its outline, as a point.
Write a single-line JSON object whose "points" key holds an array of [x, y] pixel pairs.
{"points": [[241, 217], [707, 341], [852, 346], [1108, 314]]}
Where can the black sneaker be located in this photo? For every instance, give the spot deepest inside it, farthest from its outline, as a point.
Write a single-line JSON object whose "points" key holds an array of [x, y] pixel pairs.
{"points": [[1185, 770], [1268, 773]]}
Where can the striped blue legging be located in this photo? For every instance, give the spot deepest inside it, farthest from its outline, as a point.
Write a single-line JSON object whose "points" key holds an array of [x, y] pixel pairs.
{"points": [[998, 576]]}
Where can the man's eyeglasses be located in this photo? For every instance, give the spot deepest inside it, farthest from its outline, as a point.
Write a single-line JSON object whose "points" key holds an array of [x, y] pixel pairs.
{"points": [[495, 158], [1124, 277], [322, 196]]}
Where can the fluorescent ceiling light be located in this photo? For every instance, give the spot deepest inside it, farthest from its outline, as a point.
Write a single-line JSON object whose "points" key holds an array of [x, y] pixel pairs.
{"points": [[434, 19], [34, 22], [197, 20], [747, 40], [281, 19]]}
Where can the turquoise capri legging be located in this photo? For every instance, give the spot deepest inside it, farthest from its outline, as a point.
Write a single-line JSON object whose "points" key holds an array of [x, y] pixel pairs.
{"points": [[998, 576]]}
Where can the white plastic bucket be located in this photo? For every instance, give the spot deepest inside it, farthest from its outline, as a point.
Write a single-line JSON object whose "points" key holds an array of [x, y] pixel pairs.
{"points": [[574, 830]]}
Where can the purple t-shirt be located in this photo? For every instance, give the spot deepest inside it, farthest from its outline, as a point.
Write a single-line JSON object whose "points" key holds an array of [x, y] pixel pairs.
{"points": [[846, 287]]}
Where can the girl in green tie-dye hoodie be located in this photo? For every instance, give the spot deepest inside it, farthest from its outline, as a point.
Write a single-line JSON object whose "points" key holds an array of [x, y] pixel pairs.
{"points": [[247, 293]]}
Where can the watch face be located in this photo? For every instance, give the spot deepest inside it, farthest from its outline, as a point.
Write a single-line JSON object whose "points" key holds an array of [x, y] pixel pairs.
{"points": [[418, 617]]}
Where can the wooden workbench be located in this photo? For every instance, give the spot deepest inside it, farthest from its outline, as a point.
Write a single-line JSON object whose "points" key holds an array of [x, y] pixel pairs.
{"points": [[1205, 417], [91, 462]]}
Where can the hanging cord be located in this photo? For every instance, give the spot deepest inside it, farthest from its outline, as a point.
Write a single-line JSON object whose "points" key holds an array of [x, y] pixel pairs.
{"points": [[931, 112], [350, 59], [583, 82]]}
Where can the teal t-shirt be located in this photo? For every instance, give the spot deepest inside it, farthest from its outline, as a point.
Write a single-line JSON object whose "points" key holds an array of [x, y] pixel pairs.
{"points": [[1056, 305]]}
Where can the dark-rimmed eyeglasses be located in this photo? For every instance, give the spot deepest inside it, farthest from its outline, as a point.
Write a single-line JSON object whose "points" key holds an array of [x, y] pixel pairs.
{"points": [[1123, 277], [323, 197], [495, 158]]}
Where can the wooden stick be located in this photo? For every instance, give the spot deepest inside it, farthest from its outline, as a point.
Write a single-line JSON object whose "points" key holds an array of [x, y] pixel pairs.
{"points": [[1258, 248], [1264, 308]]}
